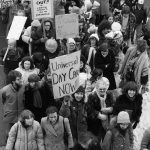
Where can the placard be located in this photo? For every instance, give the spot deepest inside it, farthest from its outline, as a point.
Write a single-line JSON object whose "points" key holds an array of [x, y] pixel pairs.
{"points": [[16, 27], [5, 3], [67, 26], [65, 74], [42, 9]]}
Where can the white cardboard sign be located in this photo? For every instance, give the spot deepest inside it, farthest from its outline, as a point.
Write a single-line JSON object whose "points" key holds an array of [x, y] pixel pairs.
{"points": [[67, 26], [42, 9], [65, 74], [16, 27]]}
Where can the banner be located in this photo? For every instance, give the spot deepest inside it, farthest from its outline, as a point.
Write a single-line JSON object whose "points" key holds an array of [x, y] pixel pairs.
{"points": [[67, 26], [65, 74], [16, 27], [5, 3], [42, 9]]}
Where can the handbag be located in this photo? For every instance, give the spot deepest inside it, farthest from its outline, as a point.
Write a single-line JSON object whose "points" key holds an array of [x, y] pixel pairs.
{"points": [[16, 137], [65, 134]]}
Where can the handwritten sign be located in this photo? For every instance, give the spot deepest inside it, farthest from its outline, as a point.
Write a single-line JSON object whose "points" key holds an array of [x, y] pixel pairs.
{"points": [[16, 27], [65, 74], [5, 3], [42, 9], [67, 26]]}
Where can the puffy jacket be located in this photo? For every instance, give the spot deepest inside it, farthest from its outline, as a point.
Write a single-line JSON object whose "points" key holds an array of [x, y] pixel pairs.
{"points": [[25, 139]]}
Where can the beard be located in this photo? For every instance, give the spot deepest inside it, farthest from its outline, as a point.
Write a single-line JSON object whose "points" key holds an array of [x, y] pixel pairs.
{"points": [[17, 86]]}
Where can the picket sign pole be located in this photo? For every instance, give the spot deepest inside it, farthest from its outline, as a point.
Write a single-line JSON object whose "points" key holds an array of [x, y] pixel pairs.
{"points": [[6, 54]]}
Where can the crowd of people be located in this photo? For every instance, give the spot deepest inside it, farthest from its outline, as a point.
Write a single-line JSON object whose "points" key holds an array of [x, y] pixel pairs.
{"points": [[114, 40]]}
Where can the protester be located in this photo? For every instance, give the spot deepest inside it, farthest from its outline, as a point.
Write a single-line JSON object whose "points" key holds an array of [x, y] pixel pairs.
{"points": [[99, 107], [44, 32], [105, 60], [25, 134], [121, 136], [74, 109], [29, 33], [136, 64], [103, 28], [54, 128], [12, 99], [37, 96], [128, 21], [130, 101], [141, 18], [26, 68], [13, 57]]}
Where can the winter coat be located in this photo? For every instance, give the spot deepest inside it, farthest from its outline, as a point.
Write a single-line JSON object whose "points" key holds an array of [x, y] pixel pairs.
{"points": [[13, 58], [46, 97], [26, 36], [94, 108], [140, 67], [77, 115], [25, 139], [145, 144], [54, 135], [108, 71], [129, 31], [114, 140], [26, 73], [12, 103], [134, 107]]}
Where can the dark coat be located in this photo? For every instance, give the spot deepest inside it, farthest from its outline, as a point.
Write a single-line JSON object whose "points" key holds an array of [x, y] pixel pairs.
{"points": [[93, 108], [12, 103], [46, 100], [108, 72], [12, 59], [116, 141], [76, 114], [145, 144], [123, 103]]}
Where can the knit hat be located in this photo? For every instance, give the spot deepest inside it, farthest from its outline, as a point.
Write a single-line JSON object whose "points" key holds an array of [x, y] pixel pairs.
{"points": [[35, 23], [123, 117], [116, 26], [51, 45], [33, 78], [141, 2], [94, 36], [80, 89]]}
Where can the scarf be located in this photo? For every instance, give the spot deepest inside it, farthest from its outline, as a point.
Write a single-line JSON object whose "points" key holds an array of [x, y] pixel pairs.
{"points": [[37, 100]]}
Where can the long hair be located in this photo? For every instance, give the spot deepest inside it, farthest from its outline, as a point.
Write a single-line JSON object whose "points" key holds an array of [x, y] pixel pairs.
{"points": [[27, 58]]}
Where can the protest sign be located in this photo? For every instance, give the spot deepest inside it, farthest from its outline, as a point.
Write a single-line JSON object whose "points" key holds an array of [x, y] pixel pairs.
{"points": [[5, 3], [42, 9], [16, 27], [67, 26], [65, 74]]}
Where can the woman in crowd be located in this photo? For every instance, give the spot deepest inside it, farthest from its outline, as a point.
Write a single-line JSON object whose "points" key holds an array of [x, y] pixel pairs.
{"points": [[74, 109], [26, 134], [105, 60], [26, 68], [99, 107], [45, 31], [130, 101], [135, 65], [54, 128], [121, 136], [89, 50]]}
